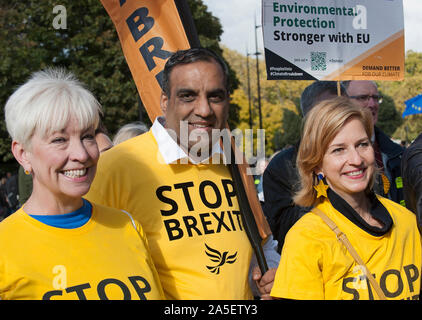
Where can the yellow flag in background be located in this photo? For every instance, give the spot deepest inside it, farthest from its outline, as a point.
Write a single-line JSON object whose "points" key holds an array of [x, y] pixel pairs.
{"points": [[149, 32]]}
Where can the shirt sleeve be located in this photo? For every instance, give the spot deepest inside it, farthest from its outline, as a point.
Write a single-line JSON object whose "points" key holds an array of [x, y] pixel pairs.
{"points": [[299, 275], [272, 257]]}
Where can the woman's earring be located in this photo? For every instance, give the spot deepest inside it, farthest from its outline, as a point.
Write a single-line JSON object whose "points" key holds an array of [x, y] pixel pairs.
{"points": [[27, 172], [321, 187]]}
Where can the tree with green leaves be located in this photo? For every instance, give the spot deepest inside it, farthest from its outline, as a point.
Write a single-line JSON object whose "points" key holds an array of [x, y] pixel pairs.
{"points": [[280, 103], [284, 129], [88, 47], [389, 119], [400, 91]]}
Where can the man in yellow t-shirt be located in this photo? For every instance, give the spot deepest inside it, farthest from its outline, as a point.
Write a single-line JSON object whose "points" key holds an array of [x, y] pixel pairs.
{"points": [[315, 265], [186, 205]]}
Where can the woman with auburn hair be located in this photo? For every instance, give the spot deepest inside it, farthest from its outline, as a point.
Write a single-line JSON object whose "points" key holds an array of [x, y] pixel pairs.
{"points": [[353, 244], [59, 245]]}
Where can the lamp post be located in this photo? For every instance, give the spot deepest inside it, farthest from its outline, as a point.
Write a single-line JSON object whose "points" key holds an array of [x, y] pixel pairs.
{"points": [[249, 89], [257, 75]]}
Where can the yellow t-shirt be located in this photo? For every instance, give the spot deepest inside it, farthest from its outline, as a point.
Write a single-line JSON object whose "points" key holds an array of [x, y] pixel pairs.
{"points": [[106, 258], [315, 265], [190, 215]]}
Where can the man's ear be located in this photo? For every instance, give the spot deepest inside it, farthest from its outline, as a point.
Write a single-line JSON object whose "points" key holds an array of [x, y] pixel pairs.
{"points": [[164, 100], [21, 155]]}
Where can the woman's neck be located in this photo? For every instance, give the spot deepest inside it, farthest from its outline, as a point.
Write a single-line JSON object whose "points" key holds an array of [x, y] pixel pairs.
{"points": [[361, 203], [48, 204]]}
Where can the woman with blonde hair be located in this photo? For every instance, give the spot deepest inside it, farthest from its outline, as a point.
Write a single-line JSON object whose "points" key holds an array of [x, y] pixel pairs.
{"points": [[353, 244], [60, 245]]}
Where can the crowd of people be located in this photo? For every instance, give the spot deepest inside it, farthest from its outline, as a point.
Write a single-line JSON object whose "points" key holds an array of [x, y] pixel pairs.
{"points": [[149, 216]]}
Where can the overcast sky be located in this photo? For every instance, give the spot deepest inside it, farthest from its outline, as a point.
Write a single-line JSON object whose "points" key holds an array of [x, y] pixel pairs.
{"points": [[237, 19]]}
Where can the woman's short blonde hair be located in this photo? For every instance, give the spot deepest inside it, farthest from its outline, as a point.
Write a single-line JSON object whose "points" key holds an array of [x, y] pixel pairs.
{"points": [[321, 126], [45, 104]]}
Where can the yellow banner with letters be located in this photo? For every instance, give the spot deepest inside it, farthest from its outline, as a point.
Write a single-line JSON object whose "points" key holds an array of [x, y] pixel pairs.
{"points": [[149, 32]]}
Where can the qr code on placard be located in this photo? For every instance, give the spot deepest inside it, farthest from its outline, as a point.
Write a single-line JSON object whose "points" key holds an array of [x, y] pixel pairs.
{"points": [[318, 61]]}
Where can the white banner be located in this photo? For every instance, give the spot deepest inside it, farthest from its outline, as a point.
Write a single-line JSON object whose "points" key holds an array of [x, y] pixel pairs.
{"points": [[334, 39]]}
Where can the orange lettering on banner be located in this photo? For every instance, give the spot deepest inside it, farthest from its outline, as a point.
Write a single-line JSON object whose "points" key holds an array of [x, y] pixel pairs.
{"points": [[149, 32]]}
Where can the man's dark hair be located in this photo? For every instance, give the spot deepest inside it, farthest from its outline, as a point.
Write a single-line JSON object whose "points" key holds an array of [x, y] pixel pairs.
{"points": [[190, 56], [309, 97]]}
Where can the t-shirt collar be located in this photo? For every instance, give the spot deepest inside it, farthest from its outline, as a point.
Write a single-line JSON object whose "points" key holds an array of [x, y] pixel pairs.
{"points": [[377, 210], [172, 152]]}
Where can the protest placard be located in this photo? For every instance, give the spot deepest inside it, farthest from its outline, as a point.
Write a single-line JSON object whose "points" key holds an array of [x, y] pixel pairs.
{"points": [[334, 39]]}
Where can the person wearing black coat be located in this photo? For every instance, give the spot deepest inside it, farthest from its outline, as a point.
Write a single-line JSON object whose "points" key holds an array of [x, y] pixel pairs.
{"points": [[391, 154], [280, 179], [411, 168]]}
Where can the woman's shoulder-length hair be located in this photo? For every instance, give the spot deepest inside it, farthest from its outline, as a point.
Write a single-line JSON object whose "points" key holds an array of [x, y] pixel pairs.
{"points": [[322, 124]]}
